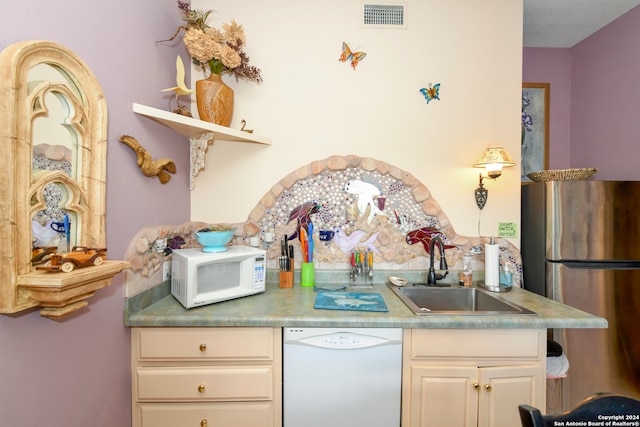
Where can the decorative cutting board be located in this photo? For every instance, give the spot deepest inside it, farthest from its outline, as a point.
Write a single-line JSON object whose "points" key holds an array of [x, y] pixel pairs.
{"points": [[355, 301]]}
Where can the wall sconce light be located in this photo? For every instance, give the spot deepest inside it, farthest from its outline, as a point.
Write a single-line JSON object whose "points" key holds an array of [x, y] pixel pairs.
{"points": [[493, 159]]}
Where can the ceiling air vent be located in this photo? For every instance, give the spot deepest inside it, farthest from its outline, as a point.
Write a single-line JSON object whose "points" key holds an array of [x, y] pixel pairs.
{"points": [[384, 15]]}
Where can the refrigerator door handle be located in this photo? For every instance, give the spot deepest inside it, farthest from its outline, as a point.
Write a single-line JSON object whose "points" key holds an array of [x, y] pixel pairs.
{"points": [[600, 265]]}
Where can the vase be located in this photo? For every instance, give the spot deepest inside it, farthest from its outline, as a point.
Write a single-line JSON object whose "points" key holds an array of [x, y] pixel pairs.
{"points": [[214, 100]]}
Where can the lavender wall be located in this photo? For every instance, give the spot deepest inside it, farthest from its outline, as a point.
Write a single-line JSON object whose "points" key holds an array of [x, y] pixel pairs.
{"points": [[76, 372], [604, 100], [553, 66], [594, 93]]}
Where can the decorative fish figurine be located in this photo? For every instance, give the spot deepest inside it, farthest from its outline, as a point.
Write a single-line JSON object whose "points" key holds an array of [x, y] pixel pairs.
{"points": [[424, 235], [365, 192], [347, 55], [347, 243], [302, 215], [431, 93]]}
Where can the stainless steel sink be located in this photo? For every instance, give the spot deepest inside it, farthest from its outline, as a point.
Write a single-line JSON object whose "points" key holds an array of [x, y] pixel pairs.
{"points": [[455, 301]]}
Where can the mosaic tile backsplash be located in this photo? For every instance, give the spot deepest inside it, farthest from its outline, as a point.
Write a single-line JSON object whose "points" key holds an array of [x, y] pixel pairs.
{"points": [[367, 205], [328, 189]]}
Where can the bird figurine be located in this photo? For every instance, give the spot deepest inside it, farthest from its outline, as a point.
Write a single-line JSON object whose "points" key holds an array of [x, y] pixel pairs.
{"points": [[181, 88], [347, 242], [302, 214], [160, 167]]}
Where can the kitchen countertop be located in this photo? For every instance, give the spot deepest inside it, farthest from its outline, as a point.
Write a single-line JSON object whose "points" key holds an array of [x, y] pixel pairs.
{"points": [[279, 307]]}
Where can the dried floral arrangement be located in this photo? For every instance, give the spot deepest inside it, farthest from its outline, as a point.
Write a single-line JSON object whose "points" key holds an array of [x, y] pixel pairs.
{"points": [[216, 51]]}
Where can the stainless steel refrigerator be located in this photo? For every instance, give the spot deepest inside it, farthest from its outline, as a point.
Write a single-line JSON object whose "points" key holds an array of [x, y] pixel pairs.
{"points": [[581, 246]]}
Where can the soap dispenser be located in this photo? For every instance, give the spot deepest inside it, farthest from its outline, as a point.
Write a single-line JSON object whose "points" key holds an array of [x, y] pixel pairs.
{"points": [[506, 278], [467, 272]]}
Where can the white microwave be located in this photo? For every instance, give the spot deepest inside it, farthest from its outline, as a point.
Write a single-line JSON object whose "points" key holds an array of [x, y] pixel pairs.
{"points": [[199, 278]]}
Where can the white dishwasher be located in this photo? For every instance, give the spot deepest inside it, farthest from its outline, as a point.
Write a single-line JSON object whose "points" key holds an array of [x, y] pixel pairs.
{"points": [[336, 377]]}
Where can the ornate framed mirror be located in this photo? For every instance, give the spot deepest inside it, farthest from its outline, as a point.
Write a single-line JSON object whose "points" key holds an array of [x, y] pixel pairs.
{"points": [[53, 139]]}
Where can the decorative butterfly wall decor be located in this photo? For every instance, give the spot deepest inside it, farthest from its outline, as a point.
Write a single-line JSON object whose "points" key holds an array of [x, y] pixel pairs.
{"points": [[354, 57], [431, 93]]}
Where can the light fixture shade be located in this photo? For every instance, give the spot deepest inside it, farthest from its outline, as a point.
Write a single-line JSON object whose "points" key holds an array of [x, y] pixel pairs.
{"points": [[493, 159], [494, 155]]}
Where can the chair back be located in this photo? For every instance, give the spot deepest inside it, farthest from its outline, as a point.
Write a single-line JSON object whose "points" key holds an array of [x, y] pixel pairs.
{"points": [[601, 407]]}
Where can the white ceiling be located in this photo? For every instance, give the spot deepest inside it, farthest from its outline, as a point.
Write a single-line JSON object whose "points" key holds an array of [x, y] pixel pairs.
{"points": [[565, 23]]}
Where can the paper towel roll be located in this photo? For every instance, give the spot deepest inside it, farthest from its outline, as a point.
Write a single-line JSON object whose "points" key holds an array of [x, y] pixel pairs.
{"points": [[492, 265]]}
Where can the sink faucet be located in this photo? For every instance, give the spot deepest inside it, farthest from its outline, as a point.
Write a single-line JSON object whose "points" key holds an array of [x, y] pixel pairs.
{"points": [[433, 277]]}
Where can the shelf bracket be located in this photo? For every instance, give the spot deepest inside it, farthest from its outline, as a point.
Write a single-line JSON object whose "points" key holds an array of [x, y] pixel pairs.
{"points": [[199, 147]]}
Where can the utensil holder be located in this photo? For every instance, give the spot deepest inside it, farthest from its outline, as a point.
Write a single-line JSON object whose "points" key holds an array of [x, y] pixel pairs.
{"points": [[307, 274]]}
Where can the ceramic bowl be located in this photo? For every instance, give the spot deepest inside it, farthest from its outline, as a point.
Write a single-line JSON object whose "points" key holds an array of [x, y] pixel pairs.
{"points": [[214, 241]]}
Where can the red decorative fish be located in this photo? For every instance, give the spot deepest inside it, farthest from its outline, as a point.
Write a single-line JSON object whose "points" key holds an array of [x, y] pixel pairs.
{"points": [[424, 235], [302, 215]]}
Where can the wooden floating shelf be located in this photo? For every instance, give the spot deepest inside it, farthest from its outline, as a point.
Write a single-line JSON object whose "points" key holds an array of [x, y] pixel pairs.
{"points": [[59, 293], [195, 128]]}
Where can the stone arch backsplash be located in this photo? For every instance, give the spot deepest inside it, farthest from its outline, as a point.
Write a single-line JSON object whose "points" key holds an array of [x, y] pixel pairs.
{"points": [[381, 224]]}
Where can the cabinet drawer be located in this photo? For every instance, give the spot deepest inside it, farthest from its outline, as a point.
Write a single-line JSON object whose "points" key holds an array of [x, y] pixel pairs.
{"points": [[526, 344], [203, 344], [254, 414], [166, 384]]}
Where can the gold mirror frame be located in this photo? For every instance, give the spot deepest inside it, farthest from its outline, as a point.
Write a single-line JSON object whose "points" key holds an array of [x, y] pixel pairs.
{"points": [[21, 286]]}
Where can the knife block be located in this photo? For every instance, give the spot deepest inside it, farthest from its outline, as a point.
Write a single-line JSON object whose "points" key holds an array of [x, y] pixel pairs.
{"points": [[286, 279]]}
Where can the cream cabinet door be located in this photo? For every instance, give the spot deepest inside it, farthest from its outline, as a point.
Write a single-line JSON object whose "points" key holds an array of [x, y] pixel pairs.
{"points": [[502, 389], [461, 396], [444, 396]]}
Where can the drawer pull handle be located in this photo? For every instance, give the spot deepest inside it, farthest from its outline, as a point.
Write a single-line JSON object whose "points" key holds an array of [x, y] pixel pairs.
{"points": [[203, 347], [476, 386], [203, 423], [201, 388], [488, 387]]}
